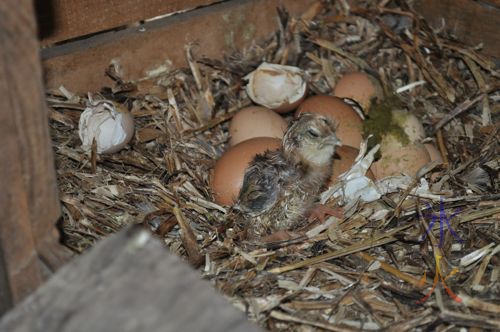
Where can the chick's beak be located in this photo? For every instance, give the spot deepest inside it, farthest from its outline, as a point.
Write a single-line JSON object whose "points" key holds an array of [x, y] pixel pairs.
{"points": [[331, 140]]}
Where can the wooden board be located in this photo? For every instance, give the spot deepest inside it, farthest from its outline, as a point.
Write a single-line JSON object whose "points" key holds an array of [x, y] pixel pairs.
{"points": [[29, 207], [60, 20], [235, 24], [472, 22], [127, 282]]}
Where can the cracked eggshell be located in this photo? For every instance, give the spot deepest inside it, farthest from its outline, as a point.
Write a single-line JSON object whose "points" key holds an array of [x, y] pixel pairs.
{"points": [[277, 87], [229, 170], [111, 125], [343, 161], [256, 121], [398, 158], [361, 87], [349, 122]]}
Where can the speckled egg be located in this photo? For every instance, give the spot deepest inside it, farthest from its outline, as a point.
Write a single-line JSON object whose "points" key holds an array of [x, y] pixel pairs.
{"points": [[411, 125], [398, 158]]}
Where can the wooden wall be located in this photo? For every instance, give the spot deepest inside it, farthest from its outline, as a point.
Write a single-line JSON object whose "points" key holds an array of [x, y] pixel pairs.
{"points": [[79, 66], [29, 206], [60, 20]]}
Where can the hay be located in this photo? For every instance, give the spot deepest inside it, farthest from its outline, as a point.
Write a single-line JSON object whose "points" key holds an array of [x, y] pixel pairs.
{"points": [[365, 272]]}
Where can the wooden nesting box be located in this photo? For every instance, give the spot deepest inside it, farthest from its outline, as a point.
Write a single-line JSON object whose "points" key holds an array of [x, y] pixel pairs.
{"points": [[75, 42]]}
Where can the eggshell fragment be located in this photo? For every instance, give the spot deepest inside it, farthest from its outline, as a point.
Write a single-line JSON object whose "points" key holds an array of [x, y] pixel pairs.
{"points": [[277, 87], [349, 123], [343, 161], [398, 158], [112, 127], [256, 121], [229, 170], [361, 87]]}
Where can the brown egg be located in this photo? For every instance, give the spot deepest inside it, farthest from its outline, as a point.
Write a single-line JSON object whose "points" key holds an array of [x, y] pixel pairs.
{"points": [[256, 121], [434, 153], [398, 158], [349, 123], [359, 86], [230, 169], [344, 159]]}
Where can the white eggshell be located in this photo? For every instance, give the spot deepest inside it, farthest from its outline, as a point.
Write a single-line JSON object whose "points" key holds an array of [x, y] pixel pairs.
{"points": [[277, 87], [111, 129]]}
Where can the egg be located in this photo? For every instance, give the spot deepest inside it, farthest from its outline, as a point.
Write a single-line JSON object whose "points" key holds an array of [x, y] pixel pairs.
{"points": [[349, 122], [343, 161], [361, 87], [398, 158], [411, 125], [434, 153], [256, 121], [229, 170], [111, 125], [277, 87]]}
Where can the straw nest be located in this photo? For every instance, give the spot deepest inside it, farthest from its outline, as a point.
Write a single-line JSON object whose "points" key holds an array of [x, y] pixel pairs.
{"points": [[363, 272]]}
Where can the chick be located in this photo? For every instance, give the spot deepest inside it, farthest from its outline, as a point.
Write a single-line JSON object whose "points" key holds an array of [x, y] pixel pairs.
{"points": [[281, 187]]}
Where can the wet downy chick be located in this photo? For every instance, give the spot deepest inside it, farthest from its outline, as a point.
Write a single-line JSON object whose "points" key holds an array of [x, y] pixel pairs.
{"points": [[280, 187]]}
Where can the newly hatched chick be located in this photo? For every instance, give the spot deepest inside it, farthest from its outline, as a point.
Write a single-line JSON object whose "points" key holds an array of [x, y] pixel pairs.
{"points": [[280, 187]]}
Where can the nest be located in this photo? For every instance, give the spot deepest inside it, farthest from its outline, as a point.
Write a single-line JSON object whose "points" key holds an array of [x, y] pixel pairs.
{"points": [[364, 272]]}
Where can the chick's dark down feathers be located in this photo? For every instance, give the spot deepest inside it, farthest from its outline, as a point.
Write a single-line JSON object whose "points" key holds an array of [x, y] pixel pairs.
{"points": [[280, 187]]}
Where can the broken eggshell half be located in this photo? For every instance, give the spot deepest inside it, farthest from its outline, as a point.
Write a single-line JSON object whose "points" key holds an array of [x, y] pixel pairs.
{"points": [[111, 125], [277, 87]]}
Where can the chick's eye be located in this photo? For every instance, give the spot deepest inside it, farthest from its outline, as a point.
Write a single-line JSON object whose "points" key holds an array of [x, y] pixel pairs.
{"points": [[313, 133]]}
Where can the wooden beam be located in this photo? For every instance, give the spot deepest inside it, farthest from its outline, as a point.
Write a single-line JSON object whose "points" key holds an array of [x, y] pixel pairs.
{"points": [[29, 206], [227, 26], [59, 20], [472, 22], [127, 282]]}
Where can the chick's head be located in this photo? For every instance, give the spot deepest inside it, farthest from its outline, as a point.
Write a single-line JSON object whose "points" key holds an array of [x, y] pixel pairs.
{"points": [[311, 139]]}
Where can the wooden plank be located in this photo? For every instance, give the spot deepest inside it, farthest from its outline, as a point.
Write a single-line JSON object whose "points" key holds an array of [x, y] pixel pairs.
{"points": [[494, 3], [29, 205], [59, 20], [227, 26], [127, 282], [472, 22], [18, 59]]}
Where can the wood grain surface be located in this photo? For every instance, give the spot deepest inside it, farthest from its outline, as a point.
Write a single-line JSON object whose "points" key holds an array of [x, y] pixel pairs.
{"points": [[216, 29], [29, 207], [59, 20], [127, 282]]}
